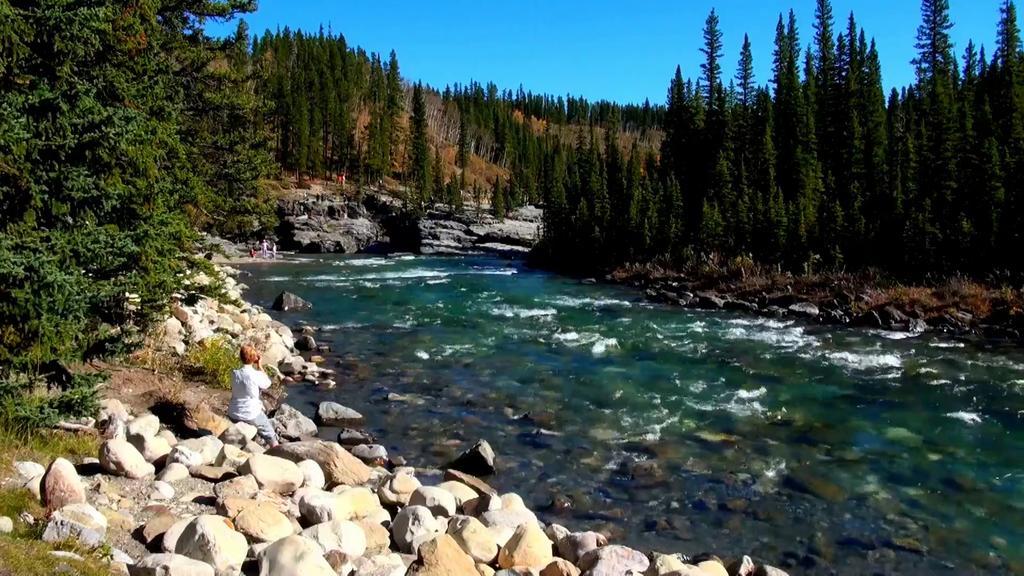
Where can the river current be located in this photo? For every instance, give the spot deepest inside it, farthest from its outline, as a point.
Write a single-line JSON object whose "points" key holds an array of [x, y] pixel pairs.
{"points": [[818, 449]]}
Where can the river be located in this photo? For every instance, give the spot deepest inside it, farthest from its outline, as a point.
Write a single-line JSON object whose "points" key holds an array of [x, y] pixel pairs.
{"points": [[810, 447]]}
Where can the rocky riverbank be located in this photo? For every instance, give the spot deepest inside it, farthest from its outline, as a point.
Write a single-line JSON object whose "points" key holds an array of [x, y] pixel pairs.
{"points": [[210, 500]]}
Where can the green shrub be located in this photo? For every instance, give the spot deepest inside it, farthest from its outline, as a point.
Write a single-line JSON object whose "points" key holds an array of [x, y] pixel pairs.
{"points": [[212, 362]]}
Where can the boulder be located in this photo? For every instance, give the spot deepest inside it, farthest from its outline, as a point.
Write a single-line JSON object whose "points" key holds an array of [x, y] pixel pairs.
{"points": [[111, 409], [213, 473], [173, 472], [473, 482], [305, 343], [804, 310], [507, 518], [370, 453], [291, 424], [352, 504], [120, 458], [61, 485], [613, 560], [156, 527], [529, 546], [382, 565], [312, 474], [439, 501], [208, 448], [185, 456], [294, 556], [162, 491], [145, 425], [154, 449], [77, 522], [378, 539], [26, 470], [169, 565], [397, 489], [441, 556], [460, 491], [576, 545], [474, 538], [342, 535], [478, 460], [263, 524], [414, 525], [712, 568], [338, 465], [334, 414], [288, 302], [211, 539], [560, 567], [238, 434], [272, 473], [231, 457], [171, 535], [665, 564]]}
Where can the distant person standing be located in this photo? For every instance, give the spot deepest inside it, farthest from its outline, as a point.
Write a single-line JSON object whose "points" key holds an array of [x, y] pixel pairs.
{"points": [[263, 249], [246, 384], [273, 251]]}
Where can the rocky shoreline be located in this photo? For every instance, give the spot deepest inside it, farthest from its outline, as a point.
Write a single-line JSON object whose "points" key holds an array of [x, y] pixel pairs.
{"points": [[168, 501]]}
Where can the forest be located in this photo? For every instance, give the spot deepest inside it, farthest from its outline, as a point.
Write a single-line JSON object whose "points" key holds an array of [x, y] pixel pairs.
{"points": [[124, 130]]}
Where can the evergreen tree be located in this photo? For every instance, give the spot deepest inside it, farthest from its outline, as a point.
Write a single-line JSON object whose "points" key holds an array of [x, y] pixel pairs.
{"points": [[419, 149]]}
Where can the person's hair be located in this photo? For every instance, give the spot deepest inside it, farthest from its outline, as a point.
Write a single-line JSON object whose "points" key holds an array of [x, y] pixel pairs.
{"points": [[248, 354]]}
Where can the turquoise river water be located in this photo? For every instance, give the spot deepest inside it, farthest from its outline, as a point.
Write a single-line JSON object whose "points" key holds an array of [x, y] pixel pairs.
{"points": [[823, 450]]}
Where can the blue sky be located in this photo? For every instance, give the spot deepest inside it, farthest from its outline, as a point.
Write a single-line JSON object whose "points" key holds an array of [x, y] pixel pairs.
{"points": [[623, 51]]}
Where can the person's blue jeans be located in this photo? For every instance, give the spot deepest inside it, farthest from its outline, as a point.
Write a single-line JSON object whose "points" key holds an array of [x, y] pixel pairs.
{"points": [[264, 427]]}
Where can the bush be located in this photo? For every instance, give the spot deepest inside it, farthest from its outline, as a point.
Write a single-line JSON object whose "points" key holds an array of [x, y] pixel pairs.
{"points": [[212, 362], [30, 403]]}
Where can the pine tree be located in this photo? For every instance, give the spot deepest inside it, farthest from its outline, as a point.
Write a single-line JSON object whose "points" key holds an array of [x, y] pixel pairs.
{"points": [[498, 200], [712, 50], [419, 149]]}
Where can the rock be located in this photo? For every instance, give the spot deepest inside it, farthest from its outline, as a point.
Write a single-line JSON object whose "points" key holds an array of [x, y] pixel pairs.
{"points": [[111, 409], [478, 460], [460, 491], [6, 525], [338, 465], [185, 456], [507, 518], [238, 434], [120, 458], [342, 535], [766, 570], [213, 473], [665, 564], [173, 472], [440, 502], [397, 490], [61, 485], [294, 556], [156, 526], [382, 565], [378, 539], [162, 491], [288, 302], [231, 457], [712, 568], [370, 453], [170, 565], [263, 524], [154, 449], [414, 525], [78, 522], [742, 567], [474, 538], [272, 473], [576, 545], [291, 424], [312, 474], [556, 532], [145, 425], [613, 561], [560, 567], [707, 301], [211, 539], [529, 546], [171, 535], [804, 310], [306, 343], [26, 470], [208, 447], [808, 483], [441, 556], [473, 482], [334, 414]]}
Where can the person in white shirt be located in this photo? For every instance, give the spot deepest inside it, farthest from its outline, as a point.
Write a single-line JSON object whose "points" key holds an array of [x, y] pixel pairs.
{"points": [[246, 384]]}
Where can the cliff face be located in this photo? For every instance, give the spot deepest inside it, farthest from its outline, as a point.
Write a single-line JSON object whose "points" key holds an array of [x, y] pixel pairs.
{"points": [[320, 223]]}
